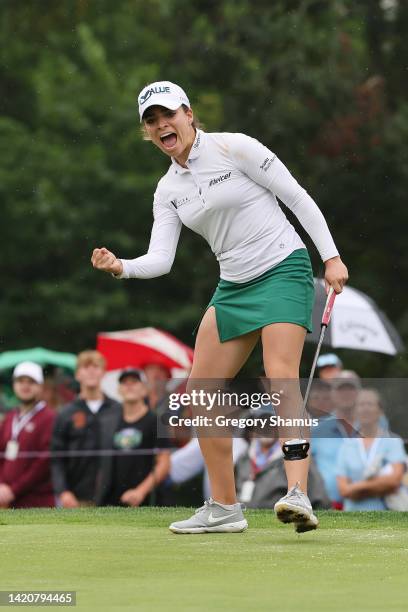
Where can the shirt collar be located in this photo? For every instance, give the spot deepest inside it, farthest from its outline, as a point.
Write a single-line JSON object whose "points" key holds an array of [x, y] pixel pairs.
{"points": [[195, 151], [197, 145]]}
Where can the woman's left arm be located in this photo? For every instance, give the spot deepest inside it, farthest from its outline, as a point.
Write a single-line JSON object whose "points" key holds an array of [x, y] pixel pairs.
{"points": [[263, 167]]}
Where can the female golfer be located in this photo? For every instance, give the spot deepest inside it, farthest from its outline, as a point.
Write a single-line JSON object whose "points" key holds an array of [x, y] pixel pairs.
{"points": [[224, 187]]}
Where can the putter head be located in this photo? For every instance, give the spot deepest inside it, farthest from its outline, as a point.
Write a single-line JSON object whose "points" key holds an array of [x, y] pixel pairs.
{"points": [[295, 450]]}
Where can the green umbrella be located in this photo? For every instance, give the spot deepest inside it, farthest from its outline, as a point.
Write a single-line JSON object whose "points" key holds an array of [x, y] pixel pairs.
{"points": [[42, 356]]}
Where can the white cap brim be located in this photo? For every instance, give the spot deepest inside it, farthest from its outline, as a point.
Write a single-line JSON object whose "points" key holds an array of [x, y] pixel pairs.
{"points": [[162, 93], [160, 101]]}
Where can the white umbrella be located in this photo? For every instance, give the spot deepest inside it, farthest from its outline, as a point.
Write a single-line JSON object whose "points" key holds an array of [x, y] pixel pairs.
{"points": [[356, 323]]}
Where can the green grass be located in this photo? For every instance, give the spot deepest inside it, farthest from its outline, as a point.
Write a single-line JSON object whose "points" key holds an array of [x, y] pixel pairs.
{"points": [[126, 559]]}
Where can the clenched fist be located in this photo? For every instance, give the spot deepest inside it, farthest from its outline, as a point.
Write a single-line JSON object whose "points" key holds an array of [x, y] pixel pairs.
{"points": [[336, 274], [104, 260]]}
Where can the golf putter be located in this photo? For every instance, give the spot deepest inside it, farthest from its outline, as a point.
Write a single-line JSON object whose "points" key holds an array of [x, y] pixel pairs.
{"points": [[294, 450]]}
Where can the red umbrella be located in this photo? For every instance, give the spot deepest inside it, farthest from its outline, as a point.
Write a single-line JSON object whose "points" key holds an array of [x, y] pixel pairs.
{"points": [[139, 347]]}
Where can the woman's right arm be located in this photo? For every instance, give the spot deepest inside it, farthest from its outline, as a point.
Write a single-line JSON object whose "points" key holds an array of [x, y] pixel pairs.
{"points": [[160, 255]]}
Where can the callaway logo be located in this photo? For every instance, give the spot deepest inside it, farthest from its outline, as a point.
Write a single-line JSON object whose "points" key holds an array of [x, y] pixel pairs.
{"points": [[153, 90], [266, 164], [220, 179], [361, 330], [211, 519]]}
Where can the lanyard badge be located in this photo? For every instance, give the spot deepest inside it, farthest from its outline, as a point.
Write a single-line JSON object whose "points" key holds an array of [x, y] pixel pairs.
{"points": [[18, 424], [11, 450]]}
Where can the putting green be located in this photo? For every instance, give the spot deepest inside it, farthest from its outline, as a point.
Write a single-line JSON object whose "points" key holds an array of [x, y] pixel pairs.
{"points": [[126, 559]]}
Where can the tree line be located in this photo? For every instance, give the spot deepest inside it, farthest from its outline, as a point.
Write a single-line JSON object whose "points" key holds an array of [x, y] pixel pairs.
{"points": [[322, 84]]}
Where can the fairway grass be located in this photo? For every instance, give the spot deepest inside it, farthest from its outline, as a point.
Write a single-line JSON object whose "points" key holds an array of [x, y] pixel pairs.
{"points": [[127, 559]]}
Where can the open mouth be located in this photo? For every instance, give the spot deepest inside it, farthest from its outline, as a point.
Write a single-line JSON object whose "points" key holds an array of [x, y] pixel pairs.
{"points": [[169, 139]]}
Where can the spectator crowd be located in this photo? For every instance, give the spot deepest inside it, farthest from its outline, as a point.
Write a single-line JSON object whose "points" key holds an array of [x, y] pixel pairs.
{"points": [[96, 451]]}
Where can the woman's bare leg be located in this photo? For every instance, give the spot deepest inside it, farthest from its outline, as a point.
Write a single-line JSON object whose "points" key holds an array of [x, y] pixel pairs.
{"points": [[219, 360], [282, 350]]}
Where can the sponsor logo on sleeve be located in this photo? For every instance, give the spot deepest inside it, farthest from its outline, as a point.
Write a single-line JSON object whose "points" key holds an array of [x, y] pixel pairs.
{"points": [[266, 164], [177, 202], [219, 179]]}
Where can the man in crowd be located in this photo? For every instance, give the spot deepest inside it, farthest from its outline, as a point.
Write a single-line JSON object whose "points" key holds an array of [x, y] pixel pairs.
{"points": [[134, 471], [329, 435], [80, 428], [25, 481], [329, 366], [320, 404], [157, 378]]}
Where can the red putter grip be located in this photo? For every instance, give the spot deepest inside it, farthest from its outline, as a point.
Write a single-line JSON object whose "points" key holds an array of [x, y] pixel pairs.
{"points": [[331, 296]]}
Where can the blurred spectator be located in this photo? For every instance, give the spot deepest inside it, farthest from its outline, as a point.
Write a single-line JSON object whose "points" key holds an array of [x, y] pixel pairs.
{"points": [[25, 482], [261, 479], [56, 389], [372, 466], [345, 393], [80, 428], [7, 398], [329, 366], [128, 479], [347, 387], [320, 404], [351, 375], [3, 402], [49, 393], [178, 435], [187, 462], [328, 437], [157, 376]]}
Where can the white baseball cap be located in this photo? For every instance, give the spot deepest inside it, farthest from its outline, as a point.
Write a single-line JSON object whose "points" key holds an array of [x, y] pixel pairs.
{"points": [[30, 369], [329, 360], [162, 93]]}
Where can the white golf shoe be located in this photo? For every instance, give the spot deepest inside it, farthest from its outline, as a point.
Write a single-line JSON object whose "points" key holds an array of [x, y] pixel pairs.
{"points": [[295, 507], [213, 517]]}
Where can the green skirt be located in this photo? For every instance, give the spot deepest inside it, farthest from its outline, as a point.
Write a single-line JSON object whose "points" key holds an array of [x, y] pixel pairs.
{"points": [[283, 294]]}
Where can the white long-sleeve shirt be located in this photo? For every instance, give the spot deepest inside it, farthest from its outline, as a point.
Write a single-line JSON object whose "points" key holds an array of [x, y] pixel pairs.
{"points": [[228, 194]]}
